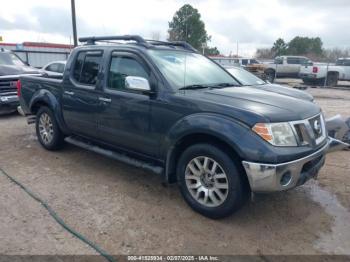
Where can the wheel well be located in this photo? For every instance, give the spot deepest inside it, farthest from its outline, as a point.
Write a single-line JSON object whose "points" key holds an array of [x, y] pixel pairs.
{"points": [[193, 139], [269, 70], [36, 106], [333, 73]]}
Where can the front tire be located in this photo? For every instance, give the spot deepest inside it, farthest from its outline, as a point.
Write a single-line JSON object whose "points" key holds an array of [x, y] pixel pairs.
{"points": [[270, 75], [211, 181], [47, 130]]}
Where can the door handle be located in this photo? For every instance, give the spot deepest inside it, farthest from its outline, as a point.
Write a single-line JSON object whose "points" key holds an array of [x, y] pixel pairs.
{"points": [[104, 99], [69, 93]]}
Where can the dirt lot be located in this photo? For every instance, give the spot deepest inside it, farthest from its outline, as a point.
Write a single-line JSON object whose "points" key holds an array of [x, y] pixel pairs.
{"points": [[128, 211]]}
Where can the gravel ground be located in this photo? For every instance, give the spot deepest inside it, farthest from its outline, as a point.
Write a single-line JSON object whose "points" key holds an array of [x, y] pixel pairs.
{"points": [[128, 211]]}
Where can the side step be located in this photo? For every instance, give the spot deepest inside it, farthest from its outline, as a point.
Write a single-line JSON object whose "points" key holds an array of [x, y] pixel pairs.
{"points": [[30, 118], [115, 155]]}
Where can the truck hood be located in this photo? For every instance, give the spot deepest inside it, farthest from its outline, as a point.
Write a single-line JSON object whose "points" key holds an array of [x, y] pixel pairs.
{"points": [[17, 70], [250, 104], [285, 91]]}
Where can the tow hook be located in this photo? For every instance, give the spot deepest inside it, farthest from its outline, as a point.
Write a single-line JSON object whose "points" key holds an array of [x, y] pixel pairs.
{"points": [[337, 145]]}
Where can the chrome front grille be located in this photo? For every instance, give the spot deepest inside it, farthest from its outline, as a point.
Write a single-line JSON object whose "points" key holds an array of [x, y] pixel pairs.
{"points": [[8, 86], [311, 131]]}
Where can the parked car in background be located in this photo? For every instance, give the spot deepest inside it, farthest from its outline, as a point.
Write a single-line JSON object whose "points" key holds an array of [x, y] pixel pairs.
{"points": [[251, 64], [165, 107], [232, 61], [248, 79], [11, 67], [285, 66], [326, 74], [54, 69]]}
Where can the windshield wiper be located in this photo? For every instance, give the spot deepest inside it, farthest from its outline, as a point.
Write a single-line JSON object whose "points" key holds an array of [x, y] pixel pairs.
{"points": [[197, 86], [220, 85], [193, 87]]}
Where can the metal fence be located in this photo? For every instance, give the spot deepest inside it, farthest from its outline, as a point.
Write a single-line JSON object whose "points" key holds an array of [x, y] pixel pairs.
{"points": [[38, 58]]}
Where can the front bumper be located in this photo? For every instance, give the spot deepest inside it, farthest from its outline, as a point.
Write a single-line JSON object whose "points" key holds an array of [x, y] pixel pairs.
{"points": [[279, 177], [8, 104], [308, 76]]}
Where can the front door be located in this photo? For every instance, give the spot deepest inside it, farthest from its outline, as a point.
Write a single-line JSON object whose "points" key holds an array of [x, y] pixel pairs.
{"points": [[125, 120], [80, 97]]}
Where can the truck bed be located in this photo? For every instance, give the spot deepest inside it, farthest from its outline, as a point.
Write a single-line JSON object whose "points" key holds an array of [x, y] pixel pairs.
{"points": [[32, 85]]}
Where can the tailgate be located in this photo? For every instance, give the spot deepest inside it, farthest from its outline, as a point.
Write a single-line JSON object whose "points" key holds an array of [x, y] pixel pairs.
{"points": [[306, 69]]}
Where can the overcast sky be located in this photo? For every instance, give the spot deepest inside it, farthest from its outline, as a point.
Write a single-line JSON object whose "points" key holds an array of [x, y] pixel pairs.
{"points": [[251, 23]]}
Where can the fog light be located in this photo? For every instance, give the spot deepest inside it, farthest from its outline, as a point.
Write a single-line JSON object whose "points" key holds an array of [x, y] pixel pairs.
{"points": [[286, 178]]}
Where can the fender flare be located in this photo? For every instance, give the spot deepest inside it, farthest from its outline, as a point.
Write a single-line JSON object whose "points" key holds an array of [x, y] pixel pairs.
{"points": [[46, 97]]}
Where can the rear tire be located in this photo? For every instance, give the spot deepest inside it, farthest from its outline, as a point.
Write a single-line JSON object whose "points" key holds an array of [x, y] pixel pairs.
{"points": [[332, 79], [47, 130], [270, 75], [211, 181]]}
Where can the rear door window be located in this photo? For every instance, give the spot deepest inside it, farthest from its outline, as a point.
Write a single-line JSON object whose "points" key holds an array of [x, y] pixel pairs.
{"points": [[279, 60], [52, 68], [87, 66], [60, 68], [343, 62], [294, 60]]}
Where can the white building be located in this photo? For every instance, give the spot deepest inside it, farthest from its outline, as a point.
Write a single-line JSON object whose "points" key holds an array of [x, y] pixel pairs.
{"points": [[39, 54]]}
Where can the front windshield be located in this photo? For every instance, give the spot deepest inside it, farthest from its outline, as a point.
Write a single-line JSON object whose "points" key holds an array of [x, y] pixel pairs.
{"points": [[10, 59], [244, 77], [186, 69]]}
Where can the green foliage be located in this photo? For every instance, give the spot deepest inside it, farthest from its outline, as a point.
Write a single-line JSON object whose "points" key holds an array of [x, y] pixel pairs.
{"points": [[264, 53], [187, 25], [305, 45], [211, 51], [298, 46], [279, 47]]}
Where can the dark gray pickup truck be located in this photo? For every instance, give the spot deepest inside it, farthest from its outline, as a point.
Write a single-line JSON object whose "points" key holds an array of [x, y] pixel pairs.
{"points": [[11, 67], [164, 107]]}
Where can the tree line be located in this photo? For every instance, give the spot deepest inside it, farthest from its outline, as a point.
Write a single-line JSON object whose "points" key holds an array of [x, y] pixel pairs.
{"points": [[187, 25], [303, 46]]}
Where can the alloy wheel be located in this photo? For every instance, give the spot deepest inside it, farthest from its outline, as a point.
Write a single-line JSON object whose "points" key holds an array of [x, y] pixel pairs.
{"points": [[206, 181], [45, 128]]}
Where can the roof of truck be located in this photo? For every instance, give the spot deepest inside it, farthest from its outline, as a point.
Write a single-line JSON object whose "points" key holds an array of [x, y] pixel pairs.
{"points": [[135, 41], [293, 56]]}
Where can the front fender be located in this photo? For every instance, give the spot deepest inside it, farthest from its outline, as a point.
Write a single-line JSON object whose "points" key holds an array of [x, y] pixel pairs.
{"points": [[223, 128], [46, 97]]}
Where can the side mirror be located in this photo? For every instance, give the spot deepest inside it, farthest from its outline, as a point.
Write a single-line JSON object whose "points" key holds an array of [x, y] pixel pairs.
{"points": [[137, 83]]}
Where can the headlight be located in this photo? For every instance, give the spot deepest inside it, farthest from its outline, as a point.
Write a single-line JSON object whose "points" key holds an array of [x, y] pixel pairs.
{"points": [[277, 134]]}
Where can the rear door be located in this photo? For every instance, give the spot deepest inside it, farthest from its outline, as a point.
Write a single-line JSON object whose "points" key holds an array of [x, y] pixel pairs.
{"points": [[346, 66], [80, 95], [293, 66], [125, 120], [281, 68]]}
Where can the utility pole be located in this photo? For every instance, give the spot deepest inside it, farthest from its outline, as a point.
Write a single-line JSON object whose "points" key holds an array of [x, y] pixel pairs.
{"points": [[74, 23]]}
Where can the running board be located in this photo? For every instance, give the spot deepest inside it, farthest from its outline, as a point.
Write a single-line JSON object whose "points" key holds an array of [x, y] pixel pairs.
{"points": [[115, 155]]}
